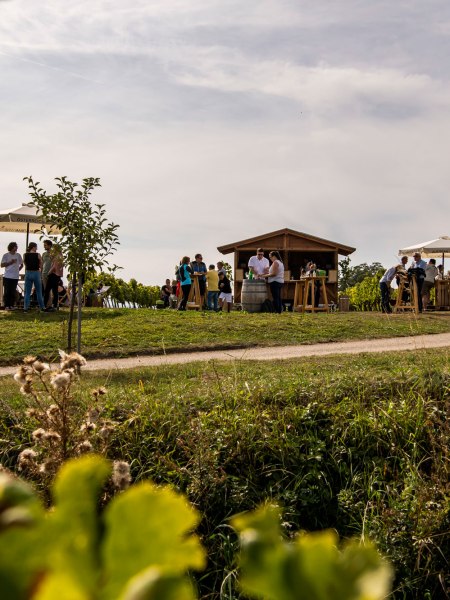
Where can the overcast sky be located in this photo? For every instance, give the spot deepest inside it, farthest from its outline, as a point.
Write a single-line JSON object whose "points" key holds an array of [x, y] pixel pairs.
{"points": [[214, 121]]}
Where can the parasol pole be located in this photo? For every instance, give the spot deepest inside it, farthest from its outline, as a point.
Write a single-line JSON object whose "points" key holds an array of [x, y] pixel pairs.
{"points": [[28, 235]]}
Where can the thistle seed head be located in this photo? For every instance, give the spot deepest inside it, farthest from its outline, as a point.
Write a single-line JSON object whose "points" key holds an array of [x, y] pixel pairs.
{"points": [[84, 447], [38, 434], [121, 477], [71, 361], [61, 381]]}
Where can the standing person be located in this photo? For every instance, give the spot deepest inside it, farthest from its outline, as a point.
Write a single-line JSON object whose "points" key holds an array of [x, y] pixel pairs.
{"points": [[385, 287], [221, 268], [33, 265], [212, 280], [431, 272], [166, 291], [185, 273], [311, 271], [225, 295], [199, 269], [275, 278], [405, 295], [417, 269], [12, 263], [54, 276], [46, 263], [258, 265]]}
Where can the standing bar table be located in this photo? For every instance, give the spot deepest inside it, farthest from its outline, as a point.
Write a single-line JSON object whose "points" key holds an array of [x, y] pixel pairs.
{"points": [[306, 286]]}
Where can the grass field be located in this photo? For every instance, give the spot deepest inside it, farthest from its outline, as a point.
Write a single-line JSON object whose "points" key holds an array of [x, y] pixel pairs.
{"points": [[124, 332], [356, 443]]}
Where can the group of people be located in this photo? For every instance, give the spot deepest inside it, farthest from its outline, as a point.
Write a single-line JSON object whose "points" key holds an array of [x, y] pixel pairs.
{"points": [[425, 275], [43, 274], [214, 284]]}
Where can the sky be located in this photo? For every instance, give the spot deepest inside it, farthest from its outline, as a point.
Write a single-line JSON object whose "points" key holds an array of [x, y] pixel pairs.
{"points": [[214, 121]]}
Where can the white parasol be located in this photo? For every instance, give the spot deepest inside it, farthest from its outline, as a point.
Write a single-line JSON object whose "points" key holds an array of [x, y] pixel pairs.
{"points": [[25, 219], [432, 249]]}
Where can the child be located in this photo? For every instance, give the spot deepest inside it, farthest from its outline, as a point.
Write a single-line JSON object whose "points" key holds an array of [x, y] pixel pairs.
{"points": [[225, 292], [212, 280]]}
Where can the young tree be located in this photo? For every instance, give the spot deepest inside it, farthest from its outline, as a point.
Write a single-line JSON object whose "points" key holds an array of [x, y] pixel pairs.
{"points": [[86, 239], [351, 276]]}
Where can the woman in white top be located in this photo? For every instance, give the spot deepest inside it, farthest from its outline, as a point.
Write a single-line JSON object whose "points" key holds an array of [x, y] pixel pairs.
{"points": [[275, 278]]}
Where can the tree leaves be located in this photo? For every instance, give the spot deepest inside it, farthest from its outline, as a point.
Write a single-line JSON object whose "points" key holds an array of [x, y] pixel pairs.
{"points": [[157, 523], [311, 568]]}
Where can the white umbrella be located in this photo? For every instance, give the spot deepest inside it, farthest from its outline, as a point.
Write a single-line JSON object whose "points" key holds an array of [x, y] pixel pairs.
{"points": [[25, 219], [432, 249]]}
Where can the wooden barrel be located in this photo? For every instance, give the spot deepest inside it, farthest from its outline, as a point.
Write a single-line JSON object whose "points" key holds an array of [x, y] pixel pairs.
{"points": [[253, 294]]}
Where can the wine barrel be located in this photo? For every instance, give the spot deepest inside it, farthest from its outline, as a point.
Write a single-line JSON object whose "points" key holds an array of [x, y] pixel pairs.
{"points": [[253, 294]]}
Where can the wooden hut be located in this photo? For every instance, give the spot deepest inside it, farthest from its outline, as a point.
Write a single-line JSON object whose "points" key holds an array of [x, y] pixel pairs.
{"points": [[296, 249]]}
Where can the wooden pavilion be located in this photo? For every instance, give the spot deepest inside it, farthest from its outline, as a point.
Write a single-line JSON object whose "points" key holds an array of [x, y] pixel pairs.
{"points": [[296, 250]]}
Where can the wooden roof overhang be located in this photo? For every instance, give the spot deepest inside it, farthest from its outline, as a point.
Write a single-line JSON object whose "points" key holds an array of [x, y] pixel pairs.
{"points": [[287, 239]]}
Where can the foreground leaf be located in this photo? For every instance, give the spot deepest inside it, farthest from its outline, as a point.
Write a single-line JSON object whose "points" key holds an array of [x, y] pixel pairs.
{"points": [[148, 526]]}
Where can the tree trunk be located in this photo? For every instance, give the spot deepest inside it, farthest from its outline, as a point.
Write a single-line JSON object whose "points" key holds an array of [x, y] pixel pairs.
{"points": [[80, 298], [71, 311]]}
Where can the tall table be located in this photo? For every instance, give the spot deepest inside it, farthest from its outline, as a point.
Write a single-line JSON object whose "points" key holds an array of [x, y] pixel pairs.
{"points": [[307, 286]]}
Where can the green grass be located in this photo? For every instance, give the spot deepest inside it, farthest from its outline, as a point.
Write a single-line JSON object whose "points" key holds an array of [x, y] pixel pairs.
{"points": [[124, 332], [356, 443]]}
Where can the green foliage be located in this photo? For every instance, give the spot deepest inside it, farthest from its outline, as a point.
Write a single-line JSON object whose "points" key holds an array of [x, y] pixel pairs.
{"points": [[366, 295], [120, 291], [354, 443], [351, 276], [141, 549], [310, 568], [86, 238]]}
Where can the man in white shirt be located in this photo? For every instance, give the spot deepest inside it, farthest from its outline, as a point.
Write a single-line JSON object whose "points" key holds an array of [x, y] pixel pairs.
{"points": [[259, 264], [385, 287]]}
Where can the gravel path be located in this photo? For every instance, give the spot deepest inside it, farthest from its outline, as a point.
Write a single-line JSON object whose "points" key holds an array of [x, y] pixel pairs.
{"points": [[440, 340]]}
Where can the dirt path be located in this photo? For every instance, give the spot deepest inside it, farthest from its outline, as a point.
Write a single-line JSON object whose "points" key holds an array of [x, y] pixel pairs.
{"points": [[440, 340]]}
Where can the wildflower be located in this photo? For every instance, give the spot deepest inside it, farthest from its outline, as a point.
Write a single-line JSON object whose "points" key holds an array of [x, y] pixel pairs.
{"points": [[33, 412], [121, 477], [21, 375], [88, 427], [53, 410], [61, 381], [47, 467], [40, 367], [101, 391], [27, 459], [38, 434], [106, 431], [85, 446], [52, 436], [29, 360], [93, 415], [27, 388], [71, 361]]}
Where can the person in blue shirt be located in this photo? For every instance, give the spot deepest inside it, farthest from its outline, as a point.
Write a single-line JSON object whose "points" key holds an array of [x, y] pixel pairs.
{"points": [[185, 272], [199, 269]]}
